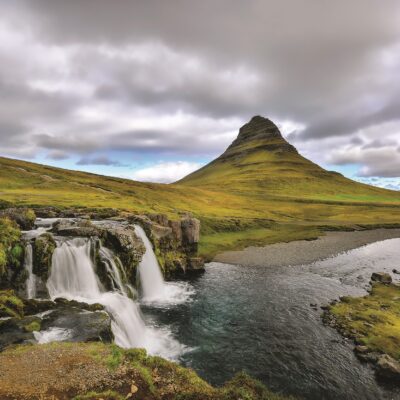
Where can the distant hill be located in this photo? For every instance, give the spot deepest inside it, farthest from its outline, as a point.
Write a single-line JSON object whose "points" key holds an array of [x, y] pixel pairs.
{"points": [[261, 162], [260, 190]]}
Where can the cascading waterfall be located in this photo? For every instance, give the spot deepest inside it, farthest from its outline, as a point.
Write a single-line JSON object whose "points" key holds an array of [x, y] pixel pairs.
{"points": [[113, 271], [73, 277], [154, 289], [32, 278], [151, 279]]}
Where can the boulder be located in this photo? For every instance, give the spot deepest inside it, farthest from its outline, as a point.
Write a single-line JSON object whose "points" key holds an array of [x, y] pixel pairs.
{"points": [[195, 264], [381, 277], [388, 368], [24, 217]]}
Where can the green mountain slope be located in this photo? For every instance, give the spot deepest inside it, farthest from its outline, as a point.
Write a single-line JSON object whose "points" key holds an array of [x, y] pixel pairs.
{"points": [[261, 162], [260, 190]]}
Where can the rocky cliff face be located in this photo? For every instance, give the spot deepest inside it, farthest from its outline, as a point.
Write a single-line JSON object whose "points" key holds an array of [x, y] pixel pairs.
{"points": [[175, 242], [258, 134]]}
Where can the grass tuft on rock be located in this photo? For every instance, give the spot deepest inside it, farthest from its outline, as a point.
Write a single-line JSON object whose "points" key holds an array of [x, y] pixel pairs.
{"points": [[374, 320]]}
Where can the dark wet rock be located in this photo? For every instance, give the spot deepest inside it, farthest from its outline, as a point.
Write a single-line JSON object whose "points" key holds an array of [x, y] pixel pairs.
{"points": [[80, 321], [35, 306], [382, 277], [43, 249], [83, 306], [396, 271], [196, 264], [123, 240], [76, 228], [13, 331], [388, 368], [24, 217], [79, 325]]}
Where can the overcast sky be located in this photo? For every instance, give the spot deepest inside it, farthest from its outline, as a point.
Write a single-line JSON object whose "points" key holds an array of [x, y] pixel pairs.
{"points": [[151, 90]]}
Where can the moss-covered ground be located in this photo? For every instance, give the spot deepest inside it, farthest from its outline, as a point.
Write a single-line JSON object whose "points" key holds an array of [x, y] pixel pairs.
{"points": [[94, 371], [373, 320]]}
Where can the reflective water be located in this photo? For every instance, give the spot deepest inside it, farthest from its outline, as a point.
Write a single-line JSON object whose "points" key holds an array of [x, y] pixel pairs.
{"points": [[260, 320]]}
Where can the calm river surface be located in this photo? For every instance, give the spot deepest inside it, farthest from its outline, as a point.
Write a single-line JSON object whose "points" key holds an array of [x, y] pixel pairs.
{"points": [[259, 320]]}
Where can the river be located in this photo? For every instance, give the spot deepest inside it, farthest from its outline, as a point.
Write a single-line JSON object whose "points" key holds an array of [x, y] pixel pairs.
{"points": [[259, 320]]}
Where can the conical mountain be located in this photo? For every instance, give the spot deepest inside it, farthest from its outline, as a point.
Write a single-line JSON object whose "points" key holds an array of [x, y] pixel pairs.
{"points": [[261, 161]]}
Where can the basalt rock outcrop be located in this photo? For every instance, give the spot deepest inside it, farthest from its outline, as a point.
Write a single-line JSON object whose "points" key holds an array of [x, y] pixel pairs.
{"points": [[175, 242]]}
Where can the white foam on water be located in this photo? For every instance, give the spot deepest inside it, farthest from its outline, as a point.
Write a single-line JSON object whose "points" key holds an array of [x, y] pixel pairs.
{"points": [[73, 277], [53, 334], [155, 291]]}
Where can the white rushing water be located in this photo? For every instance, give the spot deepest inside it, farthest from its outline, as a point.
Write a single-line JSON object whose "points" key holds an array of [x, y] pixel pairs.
{"points": [[154, 289], [73, 277], [113, 271], [52, 335], [32, 278]]}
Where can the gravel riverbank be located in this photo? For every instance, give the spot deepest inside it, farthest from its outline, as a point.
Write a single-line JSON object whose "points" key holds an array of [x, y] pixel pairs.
{"points": [[305, 252]]}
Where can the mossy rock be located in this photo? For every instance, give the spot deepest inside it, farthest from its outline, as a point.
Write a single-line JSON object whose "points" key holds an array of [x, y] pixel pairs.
{"points": [[10, 236], [24, 217], [10, 304], [43, 250]]}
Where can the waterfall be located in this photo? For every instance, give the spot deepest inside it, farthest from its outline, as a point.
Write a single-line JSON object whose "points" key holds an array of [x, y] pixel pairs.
{"points": [[151, 279], [155, 290], [73, 277], [30, 283], [113, 271]]}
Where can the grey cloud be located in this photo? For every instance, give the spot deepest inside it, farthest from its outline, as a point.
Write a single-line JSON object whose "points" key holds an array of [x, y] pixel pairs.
{"points": [[99, 160], [323, 64], [57, 155], [77, 144]]}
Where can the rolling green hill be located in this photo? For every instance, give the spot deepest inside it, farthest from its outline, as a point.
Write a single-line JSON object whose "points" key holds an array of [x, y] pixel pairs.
{"points": [[260, 190]]}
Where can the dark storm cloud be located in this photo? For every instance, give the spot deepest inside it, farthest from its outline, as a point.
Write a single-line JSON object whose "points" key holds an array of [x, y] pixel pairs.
{"points": [[181, 76]]}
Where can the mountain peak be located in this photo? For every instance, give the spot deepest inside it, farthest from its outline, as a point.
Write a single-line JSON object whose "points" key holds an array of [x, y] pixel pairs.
{"points": [[258, 134]]}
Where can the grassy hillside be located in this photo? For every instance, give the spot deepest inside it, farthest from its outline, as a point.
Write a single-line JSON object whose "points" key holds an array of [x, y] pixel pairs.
{"points": [[259, 191], [260, 162]]}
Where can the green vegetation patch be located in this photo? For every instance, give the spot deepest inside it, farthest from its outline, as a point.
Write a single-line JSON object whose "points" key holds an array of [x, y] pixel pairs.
{"points": [[9, 237], [10, 304], [33, 326], [373, 320]]}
